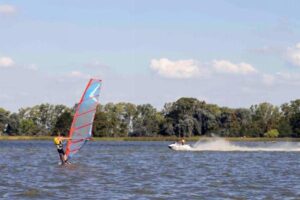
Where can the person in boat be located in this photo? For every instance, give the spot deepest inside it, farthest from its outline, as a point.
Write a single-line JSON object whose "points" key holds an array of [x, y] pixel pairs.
{"points": [[182, 141], [58, 141]]}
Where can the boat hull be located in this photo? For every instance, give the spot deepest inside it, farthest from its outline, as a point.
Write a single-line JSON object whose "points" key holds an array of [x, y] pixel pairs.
{"points": [[180, 147]]}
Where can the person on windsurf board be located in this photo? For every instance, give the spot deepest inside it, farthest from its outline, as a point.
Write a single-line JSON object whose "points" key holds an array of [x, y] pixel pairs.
{"points": [[58, 141], [82, 124]]}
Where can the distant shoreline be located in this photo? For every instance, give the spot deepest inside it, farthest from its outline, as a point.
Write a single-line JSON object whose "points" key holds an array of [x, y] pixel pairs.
{"points": [[191, 139]]}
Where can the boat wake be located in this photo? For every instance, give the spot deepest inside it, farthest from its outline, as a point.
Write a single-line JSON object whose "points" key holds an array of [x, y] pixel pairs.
{"points": [[220, 144]]}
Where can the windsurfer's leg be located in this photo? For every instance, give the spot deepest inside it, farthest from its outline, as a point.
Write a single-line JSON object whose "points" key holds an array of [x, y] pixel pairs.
{"points": [[65, 158], [61, 156]]}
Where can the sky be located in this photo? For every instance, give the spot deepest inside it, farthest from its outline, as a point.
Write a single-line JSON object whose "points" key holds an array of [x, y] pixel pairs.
{"points": [[228, 52]]}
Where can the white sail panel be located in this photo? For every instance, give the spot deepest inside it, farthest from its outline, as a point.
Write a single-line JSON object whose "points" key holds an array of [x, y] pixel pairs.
{"points": [[81, 129]]}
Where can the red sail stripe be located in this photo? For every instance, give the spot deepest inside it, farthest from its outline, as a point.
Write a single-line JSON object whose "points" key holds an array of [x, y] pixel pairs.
{"points": [[85, 125], [77, 141], [86, 112]]}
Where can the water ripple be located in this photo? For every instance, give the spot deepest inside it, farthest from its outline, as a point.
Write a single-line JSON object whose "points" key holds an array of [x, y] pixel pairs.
{"points": [[146, 170]]}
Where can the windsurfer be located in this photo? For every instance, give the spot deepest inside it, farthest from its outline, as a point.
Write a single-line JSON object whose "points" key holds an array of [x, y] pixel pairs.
{"points": [[60, 148]]}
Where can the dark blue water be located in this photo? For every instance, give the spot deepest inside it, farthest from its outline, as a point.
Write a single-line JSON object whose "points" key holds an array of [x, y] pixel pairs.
{"points": [[145, 170]]}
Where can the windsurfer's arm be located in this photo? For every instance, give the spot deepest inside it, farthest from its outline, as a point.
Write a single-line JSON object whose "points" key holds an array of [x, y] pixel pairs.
{"points": [[66, 138]]}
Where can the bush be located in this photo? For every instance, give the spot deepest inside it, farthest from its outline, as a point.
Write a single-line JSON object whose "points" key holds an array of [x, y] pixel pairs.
{"points": [[273, 133]]}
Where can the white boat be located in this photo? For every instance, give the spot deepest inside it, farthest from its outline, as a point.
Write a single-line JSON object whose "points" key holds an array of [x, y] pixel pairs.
{"points": [[180, 147]]}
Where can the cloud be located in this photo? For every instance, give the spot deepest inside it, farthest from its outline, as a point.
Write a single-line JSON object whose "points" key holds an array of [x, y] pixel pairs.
{"points": [[181, 69], [184, 69], [224, 66], [268, 50], [31, 87], [32, 67], [268, 79], [78, 74], [40, 87], [6, 62], [96, 64], [281, 78], [293, 55], [6, 9], [290, 78], [5, 97]]}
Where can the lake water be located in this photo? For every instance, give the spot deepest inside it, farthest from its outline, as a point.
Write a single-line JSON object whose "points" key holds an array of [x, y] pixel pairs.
{"points": [[149, 170]]}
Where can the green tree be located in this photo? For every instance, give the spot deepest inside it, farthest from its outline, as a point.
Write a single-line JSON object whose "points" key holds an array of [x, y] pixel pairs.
{"points": [[265, 117], [4, 118], [189, 116], [101, 123], [229, 123], [13, 125], [184, 117], [284, 127], [147, 121], [116, 124], [27, 127], [63, 124], [288, 121], [44, 116], [295, 123]]}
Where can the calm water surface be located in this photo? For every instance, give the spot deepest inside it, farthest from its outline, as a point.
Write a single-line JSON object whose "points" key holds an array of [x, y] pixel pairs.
{"points": [[145, 170]]}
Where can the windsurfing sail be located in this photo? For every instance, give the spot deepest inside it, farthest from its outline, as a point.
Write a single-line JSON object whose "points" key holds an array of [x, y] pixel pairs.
{"points": [[81, 129]]}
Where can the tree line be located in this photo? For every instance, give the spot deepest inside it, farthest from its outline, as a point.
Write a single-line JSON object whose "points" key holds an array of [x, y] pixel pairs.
{"points": [[185, 117]]}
